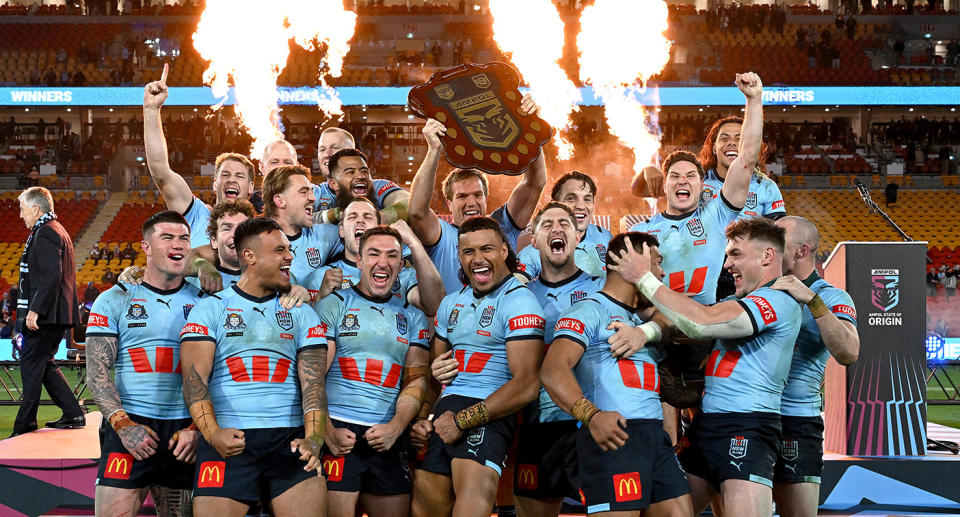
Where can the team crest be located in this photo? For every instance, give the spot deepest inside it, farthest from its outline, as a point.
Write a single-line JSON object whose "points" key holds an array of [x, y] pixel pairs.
{"points": [[313, 257], [738, 447], [476, 437], [706, 194], [695, 227], [345, 283], [444, 91], [285, 320], [350, 322], [487, 317], [790, 450], [602, 252], [885, 290], [186, 310], [481, 80], [234, 322], [751, 200], [137, 312], [452, 320], [396, 284], [401, 324], [576, 296]]}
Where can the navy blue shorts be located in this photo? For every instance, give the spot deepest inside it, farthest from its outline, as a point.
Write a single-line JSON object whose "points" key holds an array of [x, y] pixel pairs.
{"points": [[265, 469], [801, 450], [487, 444], [366, 469], [118, 468], [722, 446], [547, 460]]}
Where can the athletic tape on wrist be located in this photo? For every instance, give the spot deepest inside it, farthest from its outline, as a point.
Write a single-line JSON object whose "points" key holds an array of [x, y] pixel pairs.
{"points": [[652, 331], [818, 307], [473, 416], [583, 410], [648, 285]]}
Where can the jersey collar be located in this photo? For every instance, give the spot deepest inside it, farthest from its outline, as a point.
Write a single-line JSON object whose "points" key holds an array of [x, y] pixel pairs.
{"points": [[349, 262], [617, 302], [810, 280], [252, 298], [481, 294], [373, 299], [222, 269], [295, 236], [163, 292], [565, 281], [679, 217]]}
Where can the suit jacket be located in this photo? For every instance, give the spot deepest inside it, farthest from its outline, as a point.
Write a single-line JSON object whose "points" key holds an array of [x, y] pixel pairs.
{"points": [[52, 283]]}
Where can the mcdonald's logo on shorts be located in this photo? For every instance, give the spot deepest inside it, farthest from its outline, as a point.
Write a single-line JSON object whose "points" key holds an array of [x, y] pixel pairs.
{"points": [[627, 487], [119, 465], [211, 474], [527, 477], [333, 467]]}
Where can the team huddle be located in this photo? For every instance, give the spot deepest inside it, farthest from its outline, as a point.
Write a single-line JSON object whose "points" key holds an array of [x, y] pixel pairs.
{"points": [[351, 351]]}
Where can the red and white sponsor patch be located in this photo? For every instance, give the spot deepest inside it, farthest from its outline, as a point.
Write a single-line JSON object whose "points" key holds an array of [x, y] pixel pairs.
{"points": [[97, 320], [569, 324], [766, 310], [699, 242], [527, 321], [387, 186], [425, 333], [838, 309], [194, 328], [777, 204], [402, 340], [320, 331], [284, 335]]}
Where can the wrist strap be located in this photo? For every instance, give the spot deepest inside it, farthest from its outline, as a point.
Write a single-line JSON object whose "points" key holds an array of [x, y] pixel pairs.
{"points": [[817, 307], [120, 420], [648, 285], [583, 410], [652, 330], [473, 416]]}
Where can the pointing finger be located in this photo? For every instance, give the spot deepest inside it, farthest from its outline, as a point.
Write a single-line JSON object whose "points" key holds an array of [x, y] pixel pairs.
{"points": [[163, 75]]}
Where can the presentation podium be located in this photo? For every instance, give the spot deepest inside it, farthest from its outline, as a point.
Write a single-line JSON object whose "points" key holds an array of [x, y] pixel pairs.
{"points": [[877, 406]]}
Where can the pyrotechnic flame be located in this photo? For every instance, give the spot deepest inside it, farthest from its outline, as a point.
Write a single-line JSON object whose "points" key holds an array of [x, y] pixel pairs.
{"points": [[622, 44], [248, 41], [531, 31]]}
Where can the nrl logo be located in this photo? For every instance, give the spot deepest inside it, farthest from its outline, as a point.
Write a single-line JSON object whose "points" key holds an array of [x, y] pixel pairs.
{"points": [[481, 80]]}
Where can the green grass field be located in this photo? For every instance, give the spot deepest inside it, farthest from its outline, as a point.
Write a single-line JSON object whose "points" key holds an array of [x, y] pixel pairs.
{"points": [[945, 415]]}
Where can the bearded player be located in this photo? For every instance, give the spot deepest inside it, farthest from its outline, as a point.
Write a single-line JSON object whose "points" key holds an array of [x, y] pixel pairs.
{"points": [[465, 191], [247, 360], [150, 442], [578, 191], [626, 461], [371, 331], [829, 329], [494, 329], [733, 442]]}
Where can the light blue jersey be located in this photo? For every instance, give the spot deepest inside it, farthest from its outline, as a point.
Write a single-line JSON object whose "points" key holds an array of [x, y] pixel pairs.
{"points": [[763, 199], [555, 298], [198, 217], [629, 386], [229, 277], [693, 246], [253, 384], [312, 248], [748, 375], [802, 397], [146, 322], [478, 326], [444, 252], [590, 254], [326, 198], [372, 337], [406, 279]]}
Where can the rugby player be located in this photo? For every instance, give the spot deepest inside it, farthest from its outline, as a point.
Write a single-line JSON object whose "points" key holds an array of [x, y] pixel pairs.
{"points": [[361, 215], [494, 328], [733, 442], [829, 328], [224, 219], [148, 441], [288, 200], [578, 191], [465, 191], [387, 195], [246, 361], [627, 463], [371, 331]]}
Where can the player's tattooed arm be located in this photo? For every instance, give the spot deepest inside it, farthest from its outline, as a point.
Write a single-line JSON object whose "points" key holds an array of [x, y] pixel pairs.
{"points": [[311, 369], [196, 359], [101, 358]]}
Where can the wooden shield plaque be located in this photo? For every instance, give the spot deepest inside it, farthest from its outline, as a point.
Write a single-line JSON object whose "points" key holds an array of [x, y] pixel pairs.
{"points": [[480, 106]]}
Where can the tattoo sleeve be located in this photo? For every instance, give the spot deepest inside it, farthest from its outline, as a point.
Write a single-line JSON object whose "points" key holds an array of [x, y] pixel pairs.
{"points": [[311, 369], [196, 358], [101, 359]]}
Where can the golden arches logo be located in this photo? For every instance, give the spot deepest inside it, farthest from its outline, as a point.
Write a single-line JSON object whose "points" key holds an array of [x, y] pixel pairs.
{"points": [[118, 466], [212, 474], [628, 486], [333, 467]]}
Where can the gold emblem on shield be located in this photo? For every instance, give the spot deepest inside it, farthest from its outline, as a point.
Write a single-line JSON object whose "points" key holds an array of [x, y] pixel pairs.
{"points": [[488, 123], [444, 91], [482, 81]]}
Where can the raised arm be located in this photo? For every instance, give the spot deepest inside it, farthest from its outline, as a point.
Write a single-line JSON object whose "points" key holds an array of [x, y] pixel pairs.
{"points": [[429, 291], [647, 183], [737, 183], [312, 372], [423, 220], [175, 190], [395, 206], [523, 200], [838, 335]]}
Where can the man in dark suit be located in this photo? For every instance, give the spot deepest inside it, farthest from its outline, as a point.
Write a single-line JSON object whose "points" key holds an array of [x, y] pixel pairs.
{"points": [[46, 307]]}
